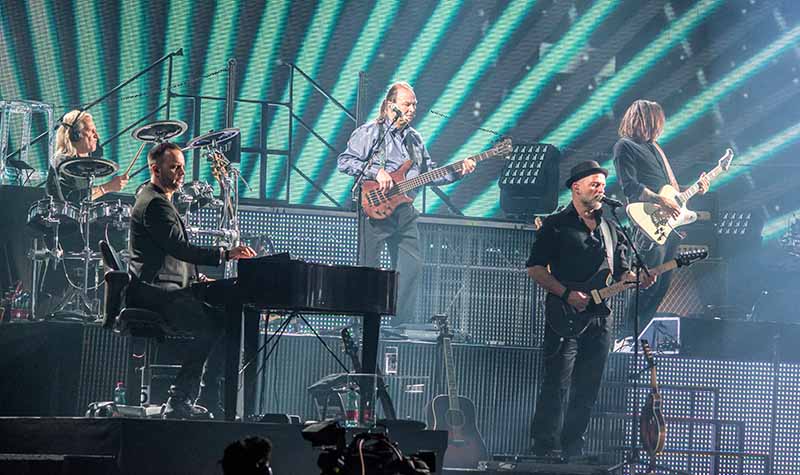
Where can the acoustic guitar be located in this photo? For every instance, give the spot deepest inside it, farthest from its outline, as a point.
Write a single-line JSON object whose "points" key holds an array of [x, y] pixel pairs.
{"points": [[455, 413], [380, 205]]}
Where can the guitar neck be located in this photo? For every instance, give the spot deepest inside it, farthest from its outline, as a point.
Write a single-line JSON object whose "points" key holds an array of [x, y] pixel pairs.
{"points": [[452, 388], [441, 172], [621, 286], [688, 193], [653, 380]]}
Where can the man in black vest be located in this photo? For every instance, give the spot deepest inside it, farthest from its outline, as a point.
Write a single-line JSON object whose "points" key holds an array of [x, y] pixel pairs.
{"points": [[163, 262], [399, 230], [572, 246]]}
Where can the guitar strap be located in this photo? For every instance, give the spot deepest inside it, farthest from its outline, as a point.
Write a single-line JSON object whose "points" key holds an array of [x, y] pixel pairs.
{"points": [[609, 243], [409, 143]]}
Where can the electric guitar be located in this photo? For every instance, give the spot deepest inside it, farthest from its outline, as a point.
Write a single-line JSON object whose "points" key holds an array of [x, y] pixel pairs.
{"points": [[455, 414], [656, 222], [380, 205], [383, 394], [653, 427], [566, 321]]}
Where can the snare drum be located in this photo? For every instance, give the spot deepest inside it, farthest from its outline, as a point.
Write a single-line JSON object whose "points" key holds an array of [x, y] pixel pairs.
{"points": [[110, 212], [44, 215]]}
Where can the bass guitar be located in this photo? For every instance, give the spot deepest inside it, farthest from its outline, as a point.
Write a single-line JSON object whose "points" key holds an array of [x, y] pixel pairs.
{"points": [[566, 321], [655, 222], [652, 426], [455, 414], [380, 205], [351, 350]]}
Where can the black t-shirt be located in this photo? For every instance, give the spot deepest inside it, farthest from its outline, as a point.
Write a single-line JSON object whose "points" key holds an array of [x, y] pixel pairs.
{"points": [[639, 165], [573, 252]]}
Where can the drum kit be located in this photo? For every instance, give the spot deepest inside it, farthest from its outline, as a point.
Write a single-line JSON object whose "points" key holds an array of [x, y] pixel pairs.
{"points": [[51, 219]]}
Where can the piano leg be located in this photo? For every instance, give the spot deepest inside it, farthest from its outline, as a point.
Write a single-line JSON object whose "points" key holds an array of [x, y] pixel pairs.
{"points": [[233, 339], [369, 357]]}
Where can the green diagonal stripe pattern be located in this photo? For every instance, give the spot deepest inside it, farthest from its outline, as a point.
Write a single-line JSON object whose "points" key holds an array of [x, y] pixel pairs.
{"points": [[313, 154], [606, 95], [759, 153], [309, 59], [258, 79], [526, 92]]}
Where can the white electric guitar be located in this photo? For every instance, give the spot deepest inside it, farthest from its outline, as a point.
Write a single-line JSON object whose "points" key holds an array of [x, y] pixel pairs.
{"points": [[656, 222]]}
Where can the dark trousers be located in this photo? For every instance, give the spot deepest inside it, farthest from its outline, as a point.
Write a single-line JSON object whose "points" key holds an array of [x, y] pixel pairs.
{"points": [[653, 255], [185, 314], [400, 234], [573, 369]]}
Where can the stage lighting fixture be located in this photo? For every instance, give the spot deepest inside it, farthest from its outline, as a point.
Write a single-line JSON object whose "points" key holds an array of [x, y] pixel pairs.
{"points": [[529, 182]]}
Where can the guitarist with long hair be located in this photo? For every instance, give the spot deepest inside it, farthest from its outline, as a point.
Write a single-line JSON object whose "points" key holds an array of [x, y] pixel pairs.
{"points": [[403, 147], [643, 169], [574, 245]]}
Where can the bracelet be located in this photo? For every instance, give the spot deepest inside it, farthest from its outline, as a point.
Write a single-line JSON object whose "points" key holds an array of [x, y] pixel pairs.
{"points": [[565, 295], [102, 190]]}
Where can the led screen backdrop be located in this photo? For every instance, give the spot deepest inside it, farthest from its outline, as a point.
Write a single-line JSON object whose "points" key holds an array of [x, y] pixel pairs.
{"points": [[559, 72]]}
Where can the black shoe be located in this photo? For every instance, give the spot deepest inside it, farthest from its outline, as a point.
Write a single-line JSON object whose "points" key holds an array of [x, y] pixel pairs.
{"points": [[179, 406], [572, 453], [214, 409]]}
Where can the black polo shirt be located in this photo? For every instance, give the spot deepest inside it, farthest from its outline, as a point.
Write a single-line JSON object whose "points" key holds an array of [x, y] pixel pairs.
{"points": [[639, 165], [573, 252]]}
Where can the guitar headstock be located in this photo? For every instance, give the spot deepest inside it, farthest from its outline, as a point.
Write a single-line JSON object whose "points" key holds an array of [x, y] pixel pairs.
{"points": [[725, 162], [440, 320], [349, 344], [502, 147], [689, 257], [648, 354], [219, 165]]}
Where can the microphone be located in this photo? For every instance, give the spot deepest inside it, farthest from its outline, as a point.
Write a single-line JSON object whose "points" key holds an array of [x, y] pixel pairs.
{"points": [[396, 110], [611, 202]]}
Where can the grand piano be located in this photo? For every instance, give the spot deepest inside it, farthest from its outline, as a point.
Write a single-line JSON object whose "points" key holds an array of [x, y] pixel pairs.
{"points": [[283, 284]]}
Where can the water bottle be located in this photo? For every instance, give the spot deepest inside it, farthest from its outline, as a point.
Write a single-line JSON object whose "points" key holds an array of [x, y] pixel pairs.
{"points": [[351, 401], [119, 394]]}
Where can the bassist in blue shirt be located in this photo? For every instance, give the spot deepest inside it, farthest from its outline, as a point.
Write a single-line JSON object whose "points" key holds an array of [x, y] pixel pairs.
{"points": [[403, 147]]}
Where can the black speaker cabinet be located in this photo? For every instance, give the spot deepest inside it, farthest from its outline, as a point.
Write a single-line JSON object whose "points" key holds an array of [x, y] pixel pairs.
{"points": [[695, 288]]}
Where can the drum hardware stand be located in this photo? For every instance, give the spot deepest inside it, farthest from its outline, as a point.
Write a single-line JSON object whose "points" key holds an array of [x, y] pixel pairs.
{"points": [[87, 308]]}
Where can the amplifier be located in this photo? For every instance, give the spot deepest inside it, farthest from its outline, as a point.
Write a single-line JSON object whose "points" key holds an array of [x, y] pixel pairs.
{"points": [[695, 288]]}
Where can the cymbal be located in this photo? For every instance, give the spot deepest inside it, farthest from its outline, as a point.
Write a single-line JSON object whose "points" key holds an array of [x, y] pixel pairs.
{"points": [[160, 131], [212, 138], [85, 167]]}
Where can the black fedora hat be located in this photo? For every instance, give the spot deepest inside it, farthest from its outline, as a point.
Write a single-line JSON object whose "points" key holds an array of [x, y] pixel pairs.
{"points": [[584, 169]]}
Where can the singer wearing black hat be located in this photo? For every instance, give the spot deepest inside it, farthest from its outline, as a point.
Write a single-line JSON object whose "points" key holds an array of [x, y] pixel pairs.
{"points": [[572, 246], [399, 230]]}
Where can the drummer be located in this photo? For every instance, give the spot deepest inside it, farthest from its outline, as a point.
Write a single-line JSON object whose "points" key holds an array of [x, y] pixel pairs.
{"points": [[77, 137]]}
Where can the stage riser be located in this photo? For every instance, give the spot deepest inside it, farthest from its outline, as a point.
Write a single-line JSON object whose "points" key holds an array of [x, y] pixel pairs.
{"points": [[502, 382]]}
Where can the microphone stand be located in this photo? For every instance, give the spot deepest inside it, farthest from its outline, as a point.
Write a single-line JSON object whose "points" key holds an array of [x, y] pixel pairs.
{"points": [[632, 457], [355, 191]]}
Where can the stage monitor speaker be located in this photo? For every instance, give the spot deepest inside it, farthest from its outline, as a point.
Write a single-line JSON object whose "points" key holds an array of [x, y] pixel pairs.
{"points": [[695, 288]]}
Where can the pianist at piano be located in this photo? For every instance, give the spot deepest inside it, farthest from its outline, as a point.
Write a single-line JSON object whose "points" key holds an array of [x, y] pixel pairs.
{"points": [[163, 262]]}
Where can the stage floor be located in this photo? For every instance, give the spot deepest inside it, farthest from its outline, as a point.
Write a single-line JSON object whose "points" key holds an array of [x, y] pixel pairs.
{"points": [[149, 446]]}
